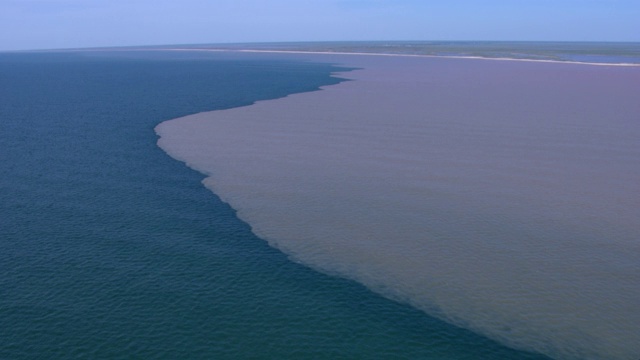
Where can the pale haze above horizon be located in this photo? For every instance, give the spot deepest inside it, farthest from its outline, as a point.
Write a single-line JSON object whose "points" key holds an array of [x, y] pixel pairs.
{"points": [[55, 24]]}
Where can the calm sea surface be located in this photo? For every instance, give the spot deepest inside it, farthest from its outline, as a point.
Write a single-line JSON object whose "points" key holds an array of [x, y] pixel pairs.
{"points": [[111, 249], [499, 195]]}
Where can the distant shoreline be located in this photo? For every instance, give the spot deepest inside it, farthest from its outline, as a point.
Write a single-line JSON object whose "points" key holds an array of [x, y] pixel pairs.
{"points": [[542, 55], [582, 53], [399, 55]]}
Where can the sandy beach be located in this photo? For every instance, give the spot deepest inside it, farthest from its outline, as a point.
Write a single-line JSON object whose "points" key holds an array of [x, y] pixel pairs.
{"points": [[501, 196]]}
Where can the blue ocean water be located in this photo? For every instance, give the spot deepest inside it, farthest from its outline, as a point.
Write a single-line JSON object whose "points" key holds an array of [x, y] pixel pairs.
{"points": [[111, 249]]}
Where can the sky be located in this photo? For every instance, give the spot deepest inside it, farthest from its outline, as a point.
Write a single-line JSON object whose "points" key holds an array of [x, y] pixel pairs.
{"points": [[53, 24]]}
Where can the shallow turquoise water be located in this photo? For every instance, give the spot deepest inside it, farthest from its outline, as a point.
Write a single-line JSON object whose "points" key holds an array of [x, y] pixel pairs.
{"points": [[111, 249]]}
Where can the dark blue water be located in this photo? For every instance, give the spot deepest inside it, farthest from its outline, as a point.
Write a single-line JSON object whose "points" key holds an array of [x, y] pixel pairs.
{"points": [[111, 249]]}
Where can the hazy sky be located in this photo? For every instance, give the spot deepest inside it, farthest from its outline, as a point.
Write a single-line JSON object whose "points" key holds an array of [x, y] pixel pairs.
{"points": [[43, 24]]}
